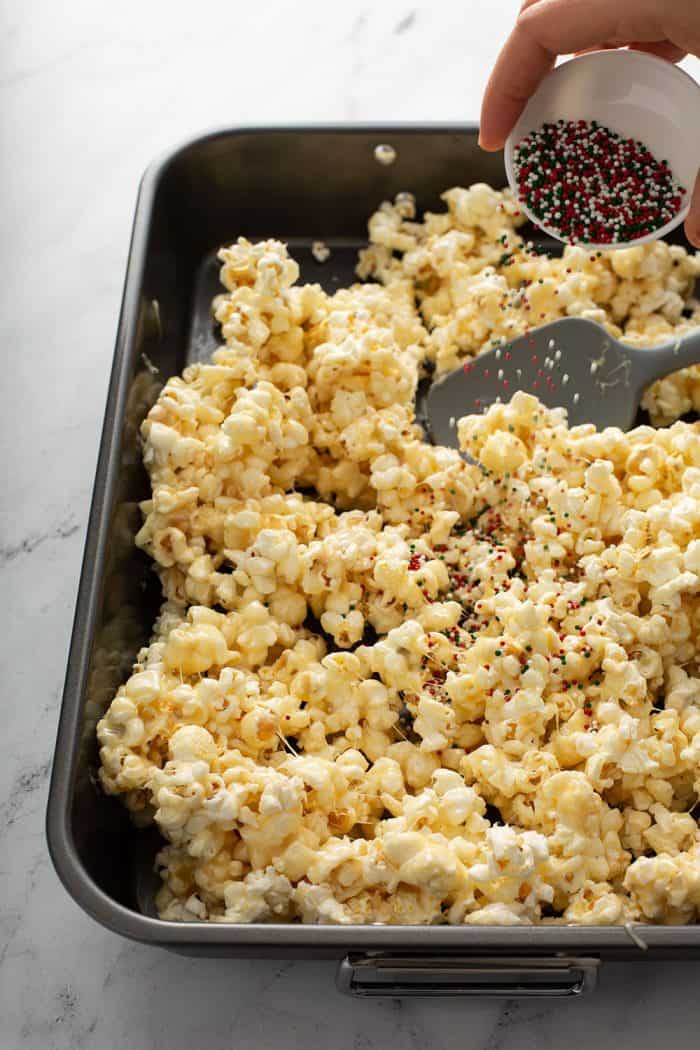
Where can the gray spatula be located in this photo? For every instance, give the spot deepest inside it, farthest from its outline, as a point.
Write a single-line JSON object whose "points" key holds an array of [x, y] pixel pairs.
{"points": [[571, 363]]}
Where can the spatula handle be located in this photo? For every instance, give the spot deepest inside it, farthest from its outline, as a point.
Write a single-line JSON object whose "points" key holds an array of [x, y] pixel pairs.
{"points": [[659, 361]]}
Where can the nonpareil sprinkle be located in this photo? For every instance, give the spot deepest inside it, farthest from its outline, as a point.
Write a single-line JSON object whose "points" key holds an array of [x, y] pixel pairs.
{"points": [[590, 185]]}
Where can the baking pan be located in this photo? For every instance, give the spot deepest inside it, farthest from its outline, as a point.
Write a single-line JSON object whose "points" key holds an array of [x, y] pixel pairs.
{"points": [[299, 184]]}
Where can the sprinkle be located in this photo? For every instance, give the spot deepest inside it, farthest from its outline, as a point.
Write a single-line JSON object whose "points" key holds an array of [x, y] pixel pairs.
{"points": [[589, 185]]}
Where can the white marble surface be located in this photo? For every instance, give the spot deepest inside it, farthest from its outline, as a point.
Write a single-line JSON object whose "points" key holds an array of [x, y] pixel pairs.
{"points": [[89, 92]]}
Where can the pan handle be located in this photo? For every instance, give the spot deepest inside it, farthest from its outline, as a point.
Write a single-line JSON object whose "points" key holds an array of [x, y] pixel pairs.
{"points": [[432, 976]]}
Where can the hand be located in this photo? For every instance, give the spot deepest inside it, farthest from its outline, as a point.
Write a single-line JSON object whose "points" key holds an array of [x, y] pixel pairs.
{"points": [[547, 28]]}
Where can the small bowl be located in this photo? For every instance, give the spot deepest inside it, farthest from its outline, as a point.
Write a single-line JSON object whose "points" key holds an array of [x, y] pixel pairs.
{"points": [[635, 94]]}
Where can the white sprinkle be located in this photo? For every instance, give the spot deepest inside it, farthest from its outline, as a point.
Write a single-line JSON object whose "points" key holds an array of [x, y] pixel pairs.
{"points": [[594, 367], [557, 356], [384, 153], [320, 251], [498, 354], [452, 421], [518, 372], [576, 398], [551, 344], [500, 373], [565, 379]]}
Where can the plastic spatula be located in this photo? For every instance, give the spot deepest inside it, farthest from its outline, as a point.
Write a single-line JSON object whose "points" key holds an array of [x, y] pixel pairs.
{"points": [[572, 363]]}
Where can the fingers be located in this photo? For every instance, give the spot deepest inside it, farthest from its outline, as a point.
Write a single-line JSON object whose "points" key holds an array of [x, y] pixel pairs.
{"points": [[692, 222], [662, 49], [597, 47], [565, 26], [519, 69], [545, 29]]}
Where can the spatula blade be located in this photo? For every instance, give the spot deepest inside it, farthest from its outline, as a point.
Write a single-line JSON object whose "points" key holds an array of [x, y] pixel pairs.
{"points": [[571, 363]]}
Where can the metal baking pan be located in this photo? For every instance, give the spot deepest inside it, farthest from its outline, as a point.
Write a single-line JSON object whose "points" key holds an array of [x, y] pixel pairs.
{"points": [[298, 184]]}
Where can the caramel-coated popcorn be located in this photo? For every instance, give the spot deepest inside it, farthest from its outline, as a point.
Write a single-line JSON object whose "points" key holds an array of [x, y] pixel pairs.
{"points": [[388, 685]]}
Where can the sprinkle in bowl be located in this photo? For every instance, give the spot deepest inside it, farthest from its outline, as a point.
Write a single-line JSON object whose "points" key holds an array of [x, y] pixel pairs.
{"points": [[635, 95]]}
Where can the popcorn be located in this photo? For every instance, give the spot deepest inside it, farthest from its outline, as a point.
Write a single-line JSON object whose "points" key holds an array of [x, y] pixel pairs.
{"points": [[597, 904], [388, 686], [666, 888]]}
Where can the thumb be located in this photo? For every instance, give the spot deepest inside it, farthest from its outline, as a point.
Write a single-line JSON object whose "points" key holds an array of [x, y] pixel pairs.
{"points": [[692, 222]]}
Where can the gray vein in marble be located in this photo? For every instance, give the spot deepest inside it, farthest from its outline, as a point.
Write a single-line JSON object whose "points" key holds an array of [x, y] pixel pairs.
{"points": [[358, 25], [406, 23], [24, 786], [508, 1015], [69, 1016], [47, 67], [67, 1001], [12, 927], [361, 1041], [114, 970], [9, 930], [66, 528]]}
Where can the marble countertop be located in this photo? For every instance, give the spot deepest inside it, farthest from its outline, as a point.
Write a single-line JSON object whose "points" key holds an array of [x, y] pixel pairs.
{"points": [[89, 93]]}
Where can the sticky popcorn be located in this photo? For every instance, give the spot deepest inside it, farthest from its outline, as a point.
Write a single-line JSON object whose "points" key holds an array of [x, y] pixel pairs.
{"points": [[390, 686]]}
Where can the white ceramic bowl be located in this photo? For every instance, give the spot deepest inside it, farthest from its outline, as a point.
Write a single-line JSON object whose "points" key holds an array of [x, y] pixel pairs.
{"points": [[635, 94]]}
